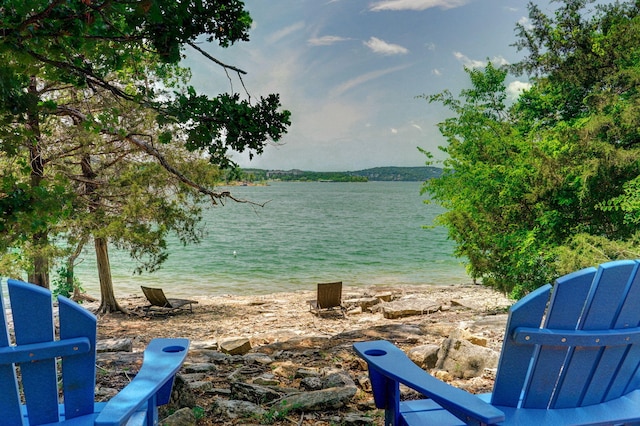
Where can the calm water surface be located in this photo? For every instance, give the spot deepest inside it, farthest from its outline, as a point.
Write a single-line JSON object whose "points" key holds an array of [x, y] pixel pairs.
{"points": [[359, 233]]}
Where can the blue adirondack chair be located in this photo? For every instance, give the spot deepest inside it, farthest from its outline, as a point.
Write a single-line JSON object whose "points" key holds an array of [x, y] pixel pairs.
{"points": [[571, 355], [67, 397]]}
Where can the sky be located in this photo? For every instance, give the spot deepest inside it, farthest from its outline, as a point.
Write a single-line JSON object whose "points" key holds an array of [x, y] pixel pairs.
{"points": [[352, 71]]}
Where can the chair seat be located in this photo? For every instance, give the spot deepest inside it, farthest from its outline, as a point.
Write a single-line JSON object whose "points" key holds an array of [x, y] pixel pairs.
{"points": [[426, 411]]}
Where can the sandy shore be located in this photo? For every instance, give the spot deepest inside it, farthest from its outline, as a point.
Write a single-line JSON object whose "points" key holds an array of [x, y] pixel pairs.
{"points": [[282, 323], [268, 318]]}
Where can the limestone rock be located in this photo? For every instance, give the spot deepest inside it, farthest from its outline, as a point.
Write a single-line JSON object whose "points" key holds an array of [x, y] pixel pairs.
{"points": [[266, 379], [365, 303], [238, 346], [114, 345], [204, 344], [463, 359], [233, 409], [301, 373], [257, 358], [330, 398], [338, 379], [408, 307], [182, 417], [426, 356], [311, 383], [254, 393]]}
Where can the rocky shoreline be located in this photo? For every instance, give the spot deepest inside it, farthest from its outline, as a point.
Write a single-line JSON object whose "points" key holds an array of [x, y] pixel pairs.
{"points": [[268, 360]]}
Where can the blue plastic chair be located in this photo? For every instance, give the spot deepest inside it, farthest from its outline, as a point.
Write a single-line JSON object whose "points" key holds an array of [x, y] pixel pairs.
{"points": [[571, 356], [64, 394]]}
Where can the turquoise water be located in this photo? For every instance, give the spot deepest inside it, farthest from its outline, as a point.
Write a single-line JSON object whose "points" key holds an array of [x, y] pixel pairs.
{"points": [[359, 233]]}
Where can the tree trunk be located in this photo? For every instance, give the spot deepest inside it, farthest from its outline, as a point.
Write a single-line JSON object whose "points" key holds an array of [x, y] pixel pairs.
{"points": [[40, 239], [40, 274], [108, 302], [71, 277]]}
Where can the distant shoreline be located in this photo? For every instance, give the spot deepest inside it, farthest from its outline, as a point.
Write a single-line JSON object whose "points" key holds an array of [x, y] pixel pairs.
{"points": [[376, 174]]}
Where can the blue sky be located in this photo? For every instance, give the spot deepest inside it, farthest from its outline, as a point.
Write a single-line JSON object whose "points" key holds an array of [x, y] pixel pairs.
{"points": [[350, 71]]}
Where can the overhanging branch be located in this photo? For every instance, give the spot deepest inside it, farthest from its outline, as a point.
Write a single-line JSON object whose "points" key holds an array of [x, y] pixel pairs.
{"points": [[217, 61], [216, 197]]}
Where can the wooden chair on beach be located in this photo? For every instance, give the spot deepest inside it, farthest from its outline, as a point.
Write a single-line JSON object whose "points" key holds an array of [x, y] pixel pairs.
{"points": [[571, 355], [48, 367], [159, 301], [329, 297]]}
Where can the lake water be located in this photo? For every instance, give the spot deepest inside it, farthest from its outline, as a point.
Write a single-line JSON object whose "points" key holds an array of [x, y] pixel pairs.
{"points": [[359, 233]]}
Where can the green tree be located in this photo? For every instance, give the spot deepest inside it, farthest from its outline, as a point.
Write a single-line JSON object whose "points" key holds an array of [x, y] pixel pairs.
{"points": [[548, 184], [129, 51]]}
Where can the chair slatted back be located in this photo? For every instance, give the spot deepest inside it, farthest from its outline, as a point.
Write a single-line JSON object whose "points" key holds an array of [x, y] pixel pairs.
{"points": [[578, 348], [156, 297], [329, 295], [35, 350]]}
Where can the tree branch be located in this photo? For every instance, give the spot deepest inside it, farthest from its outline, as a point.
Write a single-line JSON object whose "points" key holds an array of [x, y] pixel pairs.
{"points": [[211, 58], [216, 197]]}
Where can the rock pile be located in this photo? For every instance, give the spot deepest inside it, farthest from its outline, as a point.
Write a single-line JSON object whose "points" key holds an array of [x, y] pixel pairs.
{"points": [[310, 379]]}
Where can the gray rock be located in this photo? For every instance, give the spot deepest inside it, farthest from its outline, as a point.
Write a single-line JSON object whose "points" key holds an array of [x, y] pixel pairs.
{"points": [[311, 383], [338, 379], [257, 358], [182, 417], [306, 372], [266, 379], [463, 359], [198, 367], [331, 398], [208, 355], [201, 385], [254, 393], [114, 345], [354, 419], [232, 409]]}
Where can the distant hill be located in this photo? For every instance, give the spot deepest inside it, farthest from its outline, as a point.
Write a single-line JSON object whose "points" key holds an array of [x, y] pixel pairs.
{"points": [[413, 174], [399, 173]]}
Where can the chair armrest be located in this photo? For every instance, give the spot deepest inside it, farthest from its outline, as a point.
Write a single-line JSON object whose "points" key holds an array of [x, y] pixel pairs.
{"points": [[388, 360], [162, 360]]}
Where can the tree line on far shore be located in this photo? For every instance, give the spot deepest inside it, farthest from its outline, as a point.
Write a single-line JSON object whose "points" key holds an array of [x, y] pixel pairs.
{"points": [[391, 173]]}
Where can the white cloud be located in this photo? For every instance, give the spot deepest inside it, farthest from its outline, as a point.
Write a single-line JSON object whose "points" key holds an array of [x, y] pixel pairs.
{"points": [[468, 62], [476, 63], [285, 32], [325, 40], [436, 72], [384, 48], [515, 88], [416, 126], [526, 23], [350, 84], [394, 131], [416, 4]]}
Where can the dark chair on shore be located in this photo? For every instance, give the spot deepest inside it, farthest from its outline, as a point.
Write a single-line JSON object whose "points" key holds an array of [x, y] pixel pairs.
{"points": [[159, 302], [48, 366], [570, 356], [328, 298]]}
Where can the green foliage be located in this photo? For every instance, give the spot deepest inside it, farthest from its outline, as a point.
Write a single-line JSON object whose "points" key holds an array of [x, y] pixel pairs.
{"points": [[199, 412], [548, 184], [65, 283], [100, 132], [276, 413]]}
